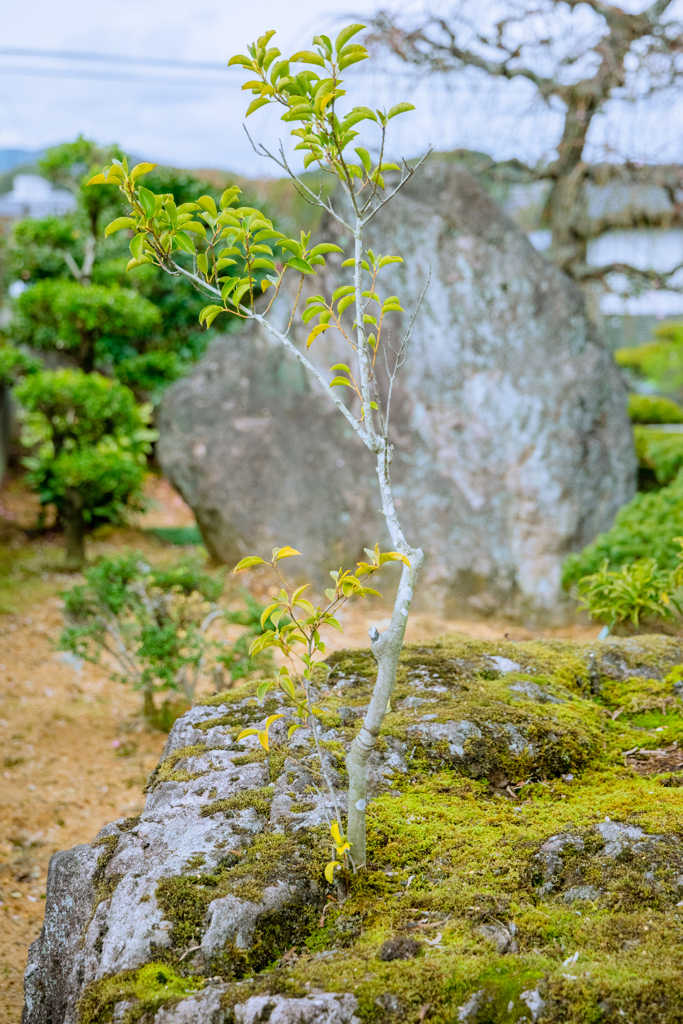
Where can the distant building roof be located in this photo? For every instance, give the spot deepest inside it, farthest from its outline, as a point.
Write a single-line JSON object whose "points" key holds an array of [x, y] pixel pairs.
{"points": [[33, 196]]}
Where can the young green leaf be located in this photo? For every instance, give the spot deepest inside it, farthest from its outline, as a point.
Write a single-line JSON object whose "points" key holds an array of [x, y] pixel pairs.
{"points": [[346, 289], [255, 104], [184, 242], [346, 34], [324, 247], [247, 562], [118, 225], [365, 158], [393, 556], [340, 366], [340, 380], [286, 552], [141, 169], [330, 869], [400, 108], [148, 201], [297, 263], [308, 57]]}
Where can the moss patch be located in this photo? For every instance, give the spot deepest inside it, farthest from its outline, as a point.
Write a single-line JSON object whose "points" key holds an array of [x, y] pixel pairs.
{"points": [[151, 987], [165, 771], [259, 799]]}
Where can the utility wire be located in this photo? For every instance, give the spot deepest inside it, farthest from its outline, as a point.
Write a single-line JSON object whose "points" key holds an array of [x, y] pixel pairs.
{"points": [[112, 58], [111, 76]]}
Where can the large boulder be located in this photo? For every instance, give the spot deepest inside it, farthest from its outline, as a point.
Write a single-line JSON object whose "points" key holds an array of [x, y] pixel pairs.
{"points": [[515, 861], [513, 445]]}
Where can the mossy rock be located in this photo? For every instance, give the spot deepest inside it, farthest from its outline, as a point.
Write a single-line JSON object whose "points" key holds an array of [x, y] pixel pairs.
{"points": [[540, 884]]}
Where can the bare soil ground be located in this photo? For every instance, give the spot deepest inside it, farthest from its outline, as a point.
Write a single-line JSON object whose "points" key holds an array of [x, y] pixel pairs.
{"points": [[74, 753]]}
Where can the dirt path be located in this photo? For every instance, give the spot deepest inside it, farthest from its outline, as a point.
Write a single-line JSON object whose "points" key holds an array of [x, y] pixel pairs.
{"points": [[70, 764]]}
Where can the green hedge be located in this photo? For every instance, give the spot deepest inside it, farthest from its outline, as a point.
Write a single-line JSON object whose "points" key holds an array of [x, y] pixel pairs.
{"points": [[645, 528]]}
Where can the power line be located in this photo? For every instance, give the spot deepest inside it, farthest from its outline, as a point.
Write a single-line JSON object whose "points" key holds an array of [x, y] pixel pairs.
{"points": [[111, 76], [111, 58]]}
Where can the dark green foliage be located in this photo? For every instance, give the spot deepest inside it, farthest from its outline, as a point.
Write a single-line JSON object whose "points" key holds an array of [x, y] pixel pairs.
{"points": [[70, 409], [150, 371], [36, 249], [95, 324], [644, 528], [14, 365], [654, 409], [90, 444]]}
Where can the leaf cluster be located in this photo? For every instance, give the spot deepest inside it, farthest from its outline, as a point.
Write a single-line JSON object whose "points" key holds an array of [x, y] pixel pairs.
{"points": [[296, 625], [309, 97], [233, 247], [637, 593]]}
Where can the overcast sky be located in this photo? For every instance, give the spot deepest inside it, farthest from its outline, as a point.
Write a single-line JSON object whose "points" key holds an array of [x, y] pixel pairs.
{"points": [[176, 120]]}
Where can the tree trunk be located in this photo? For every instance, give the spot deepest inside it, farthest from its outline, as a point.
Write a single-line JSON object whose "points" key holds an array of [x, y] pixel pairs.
{"points": [[86, 354], [74, 529], [386, 649], [148, 707]]}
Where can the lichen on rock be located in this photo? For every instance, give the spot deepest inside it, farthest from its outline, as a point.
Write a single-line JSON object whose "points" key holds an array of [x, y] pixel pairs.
{"points": [[531, 870]]}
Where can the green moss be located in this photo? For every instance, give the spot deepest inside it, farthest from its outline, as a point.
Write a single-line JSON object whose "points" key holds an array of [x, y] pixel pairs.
{"points": [[165, 770], [214, 723], [276, 763], [128, 823], [104, 887], [228, 697], [254, 757], [259, 799], [151, 987]]}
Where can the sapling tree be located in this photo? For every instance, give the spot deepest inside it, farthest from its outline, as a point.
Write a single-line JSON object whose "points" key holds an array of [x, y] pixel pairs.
{"points": [[232, 254], [151, 627]]}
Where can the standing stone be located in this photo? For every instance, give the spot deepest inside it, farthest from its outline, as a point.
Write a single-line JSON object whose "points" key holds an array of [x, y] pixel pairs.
{"points": [[512, 440]]}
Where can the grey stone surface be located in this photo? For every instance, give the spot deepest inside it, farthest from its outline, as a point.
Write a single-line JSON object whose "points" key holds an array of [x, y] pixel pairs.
{"points": [[102, 913], [512, 442], [325, 1008]]}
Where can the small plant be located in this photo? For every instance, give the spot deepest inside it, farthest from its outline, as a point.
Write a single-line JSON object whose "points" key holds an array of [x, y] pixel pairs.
{"points": [[150, 627], [91, 442], [634, 596], [296, 625]]}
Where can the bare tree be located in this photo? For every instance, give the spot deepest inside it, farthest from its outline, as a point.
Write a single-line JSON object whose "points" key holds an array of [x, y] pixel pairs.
{"points": [[578, 56]]}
